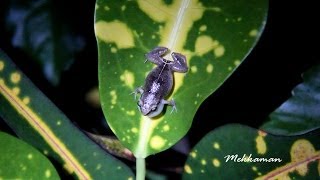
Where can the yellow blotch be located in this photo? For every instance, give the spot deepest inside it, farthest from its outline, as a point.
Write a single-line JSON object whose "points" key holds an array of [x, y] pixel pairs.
{"points": [[203, 162], [58, 123], [253, 33], [130, 178], [123, 8], [254, 168], [187, 169], [1, 65], [157, 142], [204, 44], [114, 50], [194, 69], [15, 77], [219, 51], [134, 130], [131, 113], [216, 162], [16, 90], [203, 28], [209, 68], [128, 78], [237, 62], [193, 154], [301, 150], [166, 127], [114, 97], [261, 145], [47, 173], [216, 145], [30, 156], [107, 8], [98, 166], [26, 100], [115, 32]]}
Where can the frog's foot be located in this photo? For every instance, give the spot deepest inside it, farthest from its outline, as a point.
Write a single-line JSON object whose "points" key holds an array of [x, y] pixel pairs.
{"points": [[179, 63], [136, 91], [156, 54], [171, 103]]}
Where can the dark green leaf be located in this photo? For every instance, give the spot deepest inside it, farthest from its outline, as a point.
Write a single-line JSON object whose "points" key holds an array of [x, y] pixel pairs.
{"points": [[45, 37], [19, 160], [215, 36], [39, 122], [301, 112], [239, 152]]}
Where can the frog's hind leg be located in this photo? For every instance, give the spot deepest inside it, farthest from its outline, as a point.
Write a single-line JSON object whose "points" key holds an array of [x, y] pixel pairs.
{"points": [[138, 90], [156, 54], [179, 63]]}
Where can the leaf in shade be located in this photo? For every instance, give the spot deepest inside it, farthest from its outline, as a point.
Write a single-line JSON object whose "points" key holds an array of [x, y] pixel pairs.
{"points": [[49, 41], [19, 160], [215, 36], [238, 152], [301, 112], [35, 119]]}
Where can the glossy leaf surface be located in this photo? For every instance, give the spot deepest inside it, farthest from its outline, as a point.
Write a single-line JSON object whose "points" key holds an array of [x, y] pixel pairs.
{"points": [[239, 152], [21, 161], [41, 32], [301, 112], [39, 122], [215, 36]]}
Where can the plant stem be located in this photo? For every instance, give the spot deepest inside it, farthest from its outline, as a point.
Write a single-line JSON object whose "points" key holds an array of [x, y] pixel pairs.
{"points": [[140, 168]]}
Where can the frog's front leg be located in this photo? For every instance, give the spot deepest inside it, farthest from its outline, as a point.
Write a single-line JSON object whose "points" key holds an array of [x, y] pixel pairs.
{"points": [[136, 91], [156, 54], [160, 107]]}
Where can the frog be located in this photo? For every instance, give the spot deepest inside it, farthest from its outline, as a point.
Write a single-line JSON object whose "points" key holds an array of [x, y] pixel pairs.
{"points": [[159, 82]]}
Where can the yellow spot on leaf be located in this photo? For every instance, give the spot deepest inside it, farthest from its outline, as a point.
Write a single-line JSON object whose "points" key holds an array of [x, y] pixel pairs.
{"points": [[193, 154], [130, 178], [261, 145], [114, 50], [134, 130], [157, 142], [107, 8], [194, 69], [219, 51], [26, 100], [48, 173], [114, 97], [58, 123], [237, 62], [301, 150], [203, 162], [16, 90], [131, 113], [253, 33], [115, 32], [216, 162], [98, 166], [1, 65], [216, 145], [166, 128], [15, 77], [204, 44], [128, 78], [123, 8], [30, 156], [187, 169], [254, 168], [209, 68], [203, 28]]}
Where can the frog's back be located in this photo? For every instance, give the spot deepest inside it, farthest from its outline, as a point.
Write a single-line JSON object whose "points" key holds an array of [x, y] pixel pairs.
{"points": [[159, 81]]}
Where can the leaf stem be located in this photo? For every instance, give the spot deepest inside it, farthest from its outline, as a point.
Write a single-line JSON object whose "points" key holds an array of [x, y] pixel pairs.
{"points": [[140, 168]]}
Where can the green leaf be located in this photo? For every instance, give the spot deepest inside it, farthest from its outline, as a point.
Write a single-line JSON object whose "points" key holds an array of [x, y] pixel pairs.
{"points": [[21, 161], [301, 112], [39, 122], [215, 36], [237, 151], [43, 35]]}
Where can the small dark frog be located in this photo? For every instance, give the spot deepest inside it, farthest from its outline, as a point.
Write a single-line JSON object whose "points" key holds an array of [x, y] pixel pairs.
{"points": [[159, 81]]}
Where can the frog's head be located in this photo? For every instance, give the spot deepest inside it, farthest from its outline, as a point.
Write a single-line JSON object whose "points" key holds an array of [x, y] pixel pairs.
{"points": [[150, 106]]}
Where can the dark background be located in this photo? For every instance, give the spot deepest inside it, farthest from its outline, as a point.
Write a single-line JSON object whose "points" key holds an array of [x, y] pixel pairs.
{"points": [[287, 48]]}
